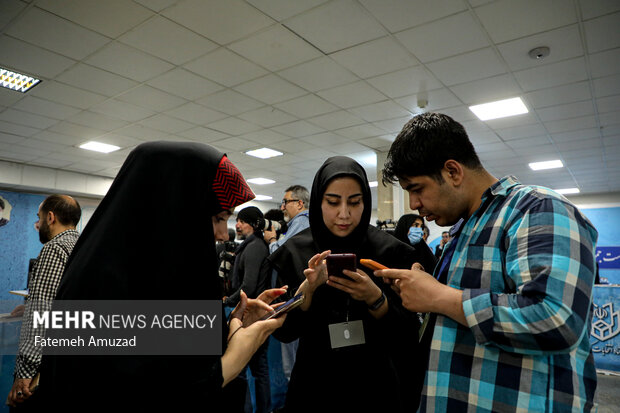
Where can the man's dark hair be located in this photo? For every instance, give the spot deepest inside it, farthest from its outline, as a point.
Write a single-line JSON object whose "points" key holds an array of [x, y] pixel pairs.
{"points": [[66, 209], [274, 215], [300, 192], [445, 232], [423, 146]]}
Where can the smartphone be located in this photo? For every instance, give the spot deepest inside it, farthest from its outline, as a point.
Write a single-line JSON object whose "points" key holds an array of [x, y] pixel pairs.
{"points": [[286, 307], [373, 265], [338, 262]]}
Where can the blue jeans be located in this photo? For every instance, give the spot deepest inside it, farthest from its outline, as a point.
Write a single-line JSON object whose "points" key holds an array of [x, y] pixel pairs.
{"points": [[259, 367]]}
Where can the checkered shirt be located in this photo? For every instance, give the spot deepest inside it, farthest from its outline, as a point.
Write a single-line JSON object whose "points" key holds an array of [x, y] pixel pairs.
{"points": [[525, 262], [46, 277]]}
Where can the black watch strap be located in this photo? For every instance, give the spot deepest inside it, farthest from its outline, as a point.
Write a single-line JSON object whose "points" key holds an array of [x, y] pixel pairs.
{"points": [[375, 306]]}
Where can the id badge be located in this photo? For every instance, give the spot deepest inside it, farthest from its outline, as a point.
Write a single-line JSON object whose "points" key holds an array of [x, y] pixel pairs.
{"points": [[347, 334]]}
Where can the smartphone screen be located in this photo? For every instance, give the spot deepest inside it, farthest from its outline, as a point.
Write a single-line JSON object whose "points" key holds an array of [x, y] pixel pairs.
{"points": [[338, 262], [286, 307]]}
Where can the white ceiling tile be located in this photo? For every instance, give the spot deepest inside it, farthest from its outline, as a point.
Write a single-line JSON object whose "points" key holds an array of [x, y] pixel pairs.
{"points": [[83, 132], [606, 86], [230, 102], [375, 57], [151, 98], [487, 90], [235, 144], [122, 110], [381, 143], [129, 62], [183, 83], [157, 5], [53, 33], [380, 111], [336, 120], [467, 67], [270, 89], [265, 137], [96, 80], [298, 129], [353, 94], [590, 9], [483, 138], [97, 121], [335, 26], [62, 93], [608, 104], [10, 97], [46, 108], [15, 129], [405, 82], [222, 22], [447, 35], [32, 60], [58, 138], [325, 140], [554, 74], [564, 147], [318, 74], [275, 48], [397, 15], [233, 126], [225, 67], [564, 43], [392, 125], [510, 19], [292, 146], [167, 40], [283, 9], [521, 131], [9, 138], [9, 9], [112, 17], [27, 119], [51, 163], [473, 125], [203, 134], [605, 63], [348, 148], [166, 123], [197, 114], [567, 111], [119, 140], [582, 134], [565, 125], [571, 92], [461, 114], [360, 131], [608, 119], [267, 117], [512, 121], [599, 33], [306, 106]]}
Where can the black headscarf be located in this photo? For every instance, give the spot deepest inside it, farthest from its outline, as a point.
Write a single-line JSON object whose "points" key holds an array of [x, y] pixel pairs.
{"points": [[338, 167], [152, 238], [402, 228]]}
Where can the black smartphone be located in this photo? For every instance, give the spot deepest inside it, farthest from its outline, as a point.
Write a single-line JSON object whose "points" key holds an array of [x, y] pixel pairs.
{"points": [[338, 262], [286, 307]]}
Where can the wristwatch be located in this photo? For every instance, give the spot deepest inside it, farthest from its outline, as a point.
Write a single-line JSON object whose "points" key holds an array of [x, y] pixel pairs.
{"points": [[375, 306]]}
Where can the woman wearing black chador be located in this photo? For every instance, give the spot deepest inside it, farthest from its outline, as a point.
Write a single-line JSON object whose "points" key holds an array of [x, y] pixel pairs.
{"points": [[375, 367]]}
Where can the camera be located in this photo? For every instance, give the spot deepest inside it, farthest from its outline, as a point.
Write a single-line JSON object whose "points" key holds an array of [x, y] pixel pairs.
{"points": [[269, 225]]}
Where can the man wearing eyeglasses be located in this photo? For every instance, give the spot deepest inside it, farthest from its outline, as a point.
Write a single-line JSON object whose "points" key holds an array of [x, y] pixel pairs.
{"points": [[295, 208]]}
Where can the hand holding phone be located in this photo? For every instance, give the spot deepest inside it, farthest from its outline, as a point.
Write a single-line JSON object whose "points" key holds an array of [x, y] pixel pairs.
{"points": [[286, 307], [373, 265], [338, 262]]}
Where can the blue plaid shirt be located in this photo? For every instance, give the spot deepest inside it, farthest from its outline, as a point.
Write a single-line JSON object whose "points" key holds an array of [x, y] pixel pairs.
{"points": [[525, 263]]}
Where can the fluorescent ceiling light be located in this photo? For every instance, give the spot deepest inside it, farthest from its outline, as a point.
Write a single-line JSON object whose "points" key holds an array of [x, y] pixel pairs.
{"points": [[565, 191], [537, 166], [264, 153], [99, 147], [263, 198], [261, 181], [373, 184], [499, 109], [17, 81]]}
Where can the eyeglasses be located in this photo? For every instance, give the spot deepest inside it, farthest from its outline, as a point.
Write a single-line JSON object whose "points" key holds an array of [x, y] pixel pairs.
{"points": [[286, 201]]}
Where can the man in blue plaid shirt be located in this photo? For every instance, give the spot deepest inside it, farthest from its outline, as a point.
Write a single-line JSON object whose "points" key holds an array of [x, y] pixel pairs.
{"points": [[510, 299]]}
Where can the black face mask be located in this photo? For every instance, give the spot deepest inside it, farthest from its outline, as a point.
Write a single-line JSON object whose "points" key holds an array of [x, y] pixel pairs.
{"points": [[3, 222]]}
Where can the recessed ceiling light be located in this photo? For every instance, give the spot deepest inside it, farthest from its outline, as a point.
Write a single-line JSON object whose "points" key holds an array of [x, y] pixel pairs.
{"points": [[537, 166], [99, 147], [262, 198], [373, 184], [565, 191], [499, 109], [261, 181], [17, 81], [264, 153]]}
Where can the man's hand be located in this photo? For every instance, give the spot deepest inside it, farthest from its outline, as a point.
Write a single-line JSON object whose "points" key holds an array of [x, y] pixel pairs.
{"points": [[269, 236], [421, 292], [19, 392]]}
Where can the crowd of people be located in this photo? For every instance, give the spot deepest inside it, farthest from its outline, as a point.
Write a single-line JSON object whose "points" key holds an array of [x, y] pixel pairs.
{"points": [[495, 319]]}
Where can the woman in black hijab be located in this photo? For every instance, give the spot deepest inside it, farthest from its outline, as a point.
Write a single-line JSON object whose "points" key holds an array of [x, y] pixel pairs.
{"points": [[153, 238], [379, 373]]}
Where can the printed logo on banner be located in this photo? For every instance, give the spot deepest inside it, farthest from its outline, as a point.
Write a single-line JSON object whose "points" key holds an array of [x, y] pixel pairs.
{"points": [[608, 257], [606, 323]]}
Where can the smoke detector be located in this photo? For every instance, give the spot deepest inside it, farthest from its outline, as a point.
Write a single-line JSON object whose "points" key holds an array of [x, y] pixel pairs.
{"points": [[539, 53]]}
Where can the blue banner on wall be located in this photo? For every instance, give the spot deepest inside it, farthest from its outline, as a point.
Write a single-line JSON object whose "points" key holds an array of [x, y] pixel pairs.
{"points": [[608, 257], [605, 334]]}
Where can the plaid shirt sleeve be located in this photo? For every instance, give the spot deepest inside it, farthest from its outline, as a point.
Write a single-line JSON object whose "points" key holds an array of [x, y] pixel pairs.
{"points": [[549, 259], [45, 280]]}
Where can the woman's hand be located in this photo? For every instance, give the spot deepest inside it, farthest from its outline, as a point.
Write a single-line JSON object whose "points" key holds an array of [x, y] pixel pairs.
{"points": [[250, 310], [359, 286], [316, 273]]}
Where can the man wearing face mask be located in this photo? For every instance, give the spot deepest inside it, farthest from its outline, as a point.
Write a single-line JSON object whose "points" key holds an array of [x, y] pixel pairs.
{"points": [[5, 212], [58, 217]]}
